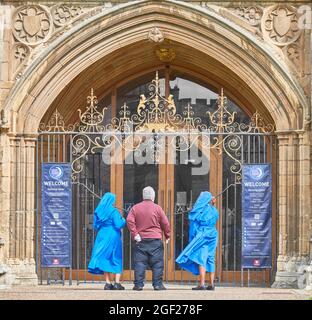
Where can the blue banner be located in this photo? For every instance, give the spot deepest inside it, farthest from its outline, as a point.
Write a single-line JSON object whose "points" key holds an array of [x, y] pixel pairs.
{"points": [[56, 216], [257, 216]]}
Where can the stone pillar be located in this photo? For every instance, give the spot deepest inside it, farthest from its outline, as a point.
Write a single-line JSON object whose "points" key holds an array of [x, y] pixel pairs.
{"points": [[19, 255], [4, 209], [5, 86], [304, 194], [294, 208]]}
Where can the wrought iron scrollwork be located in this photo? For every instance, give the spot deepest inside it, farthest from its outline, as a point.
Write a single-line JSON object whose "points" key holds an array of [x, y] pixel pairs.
{"points": [[157, 125], [222, 119], [56, 123], [91, 120]]}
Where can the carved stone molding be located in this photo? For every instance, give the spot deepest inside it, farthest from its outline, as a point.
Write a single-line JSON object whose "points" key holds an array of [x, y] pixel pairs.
{"points": [[280, 25], [32, 24]]}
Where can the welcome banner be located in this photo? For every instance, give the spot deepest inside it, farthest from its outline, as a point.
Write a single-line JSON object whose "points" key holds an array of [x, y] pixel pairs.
{"points": [[56, 217], [257, 216]]}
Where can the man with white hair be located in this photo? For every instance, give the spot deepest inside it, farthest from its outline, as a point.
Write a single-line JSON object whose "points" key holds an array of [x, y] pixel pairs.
{"points": [[146, 222]]}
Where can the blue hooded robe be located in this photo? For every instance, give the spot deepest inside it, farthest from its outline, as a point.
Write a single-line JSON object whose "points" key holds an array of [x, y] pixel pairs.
{"points": [[203, 236], [107, 250]]}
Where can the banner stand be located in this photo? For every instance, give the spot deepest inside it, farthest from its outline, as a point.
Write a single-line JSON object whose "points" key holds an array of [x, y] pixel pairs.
{"points": [[56, 217], [256, 218]]}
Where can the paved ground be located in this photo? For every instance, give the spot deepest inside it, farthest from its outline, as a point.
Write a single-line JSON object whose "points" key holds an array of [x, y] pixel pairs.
{"points": [[174, 292]]}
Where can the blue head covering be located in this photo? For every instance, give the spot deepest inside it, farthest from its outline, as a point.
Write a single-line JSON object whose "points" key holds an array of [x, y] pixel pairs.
{"points": [[202, 202], [104, 210]]}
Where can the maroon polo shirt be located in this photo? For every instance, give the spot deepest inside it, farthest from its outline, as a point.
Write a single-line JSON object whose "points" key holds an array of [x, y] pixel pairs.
{"points": [[148, 220]]}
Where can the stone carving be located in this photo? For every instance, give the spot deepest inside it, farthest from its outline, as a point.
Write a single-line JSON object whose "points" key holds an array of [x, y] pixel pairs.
{"points": [[32, 24], [248, 18], [155, 35], [21, 55], [165, 51], [308, 275], [3, 119], [280, 25], [63, 14], [21, 52], [293, 53], [251, 14], [166, 54]]}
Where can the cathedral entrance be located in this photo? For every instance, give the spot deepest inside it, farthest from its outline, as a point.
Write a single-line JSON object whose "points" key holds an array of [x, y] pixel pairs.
{"points": [[170, 131]]}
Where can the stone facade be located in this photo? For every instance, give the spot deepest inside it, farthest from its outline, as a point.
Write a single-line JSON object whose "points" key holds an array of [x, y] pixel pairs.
{"points": [[260, 51]]}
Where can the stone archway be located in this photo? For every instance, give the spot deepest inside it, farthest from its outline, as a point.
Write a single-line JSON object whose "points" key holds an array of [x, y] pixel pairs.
{"points": [[208, 43]]}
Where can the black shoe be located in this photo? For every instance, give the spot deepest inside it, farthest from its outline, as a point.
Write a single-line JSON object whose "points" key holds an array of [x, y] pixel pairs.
{"points": [[199, 288], [161, 287], [210, 288], [137, 288], [118, 286], [108, 286]]}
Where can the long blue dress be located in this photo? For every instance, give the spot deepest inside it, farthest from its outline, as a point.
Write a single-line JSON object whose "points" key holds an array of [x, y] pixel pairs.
{"points": [[203, 236], [107, 250]]}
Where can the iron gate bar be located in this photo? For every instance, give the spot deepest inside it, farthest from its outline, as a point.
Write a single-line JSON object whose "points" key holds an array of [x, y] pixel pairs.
{"points": [[77, 228], [93, 231], [85, 236], [37, 208], [71, 161], [41, 150], [235, 208]]}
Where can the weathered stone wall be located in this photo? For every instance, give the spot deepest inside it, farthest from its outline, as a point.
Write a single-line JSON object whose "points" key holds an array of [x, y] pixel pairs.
{"points": [[28, 30]]}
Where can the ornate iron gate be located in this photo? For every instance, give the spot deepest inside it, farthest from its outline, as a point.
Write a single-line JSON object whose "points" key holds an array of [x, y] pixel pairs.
{"points": [[156, 129]]}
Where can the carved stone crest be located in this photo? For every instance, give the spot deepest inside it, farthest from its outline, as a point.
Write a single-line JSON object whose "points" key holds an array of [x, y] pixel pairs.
{"points": [[166, 51], [280, 25], [166, 54], [32, 24], [155, 35]]}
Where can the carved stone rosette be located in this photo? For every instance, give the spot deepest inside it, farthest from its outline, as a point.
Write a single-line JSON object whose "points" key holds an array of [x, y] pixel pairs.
{"points": [[280, 25], [32, 24]]}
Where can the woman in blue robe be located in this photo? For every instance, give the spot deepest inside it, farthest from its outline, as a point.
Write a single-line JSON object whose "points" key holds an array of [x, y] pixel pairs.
{"points": [[198, 256], [107, 251]]}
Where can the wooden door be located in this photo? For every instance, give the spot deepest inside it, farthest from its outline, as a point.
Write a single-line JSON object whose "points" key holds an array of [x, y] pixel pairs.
{"points": [[168, 191]]}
